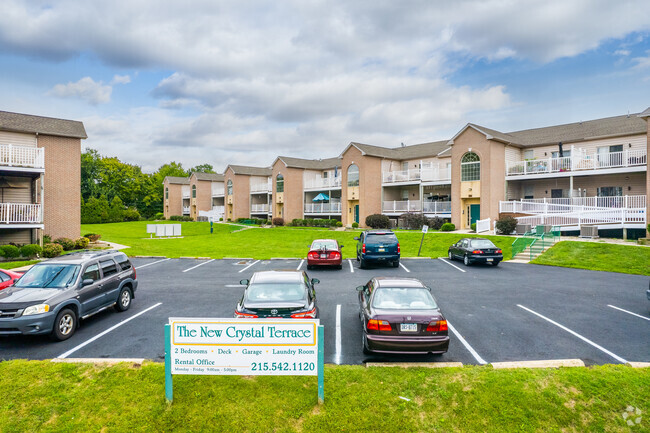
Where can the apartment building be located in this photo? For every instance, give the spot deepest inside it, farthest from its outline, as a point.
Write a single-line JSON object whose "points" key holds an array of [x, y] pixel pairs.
{"points": [[248, 192], [40, 177], [193, 195]]}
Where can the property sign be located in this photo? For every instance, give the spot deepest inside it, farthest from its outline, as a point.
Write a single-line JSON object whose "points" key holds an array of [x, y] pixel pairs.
{"points": [[425, 228]]}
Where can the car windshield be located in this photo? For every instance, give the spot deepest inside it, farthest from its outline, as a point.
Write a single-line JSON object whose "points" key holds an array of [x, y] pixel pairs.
{"points": [[270, 292], [51, 276], [324, 245], [387, 238], [482, 243], [403, 299]]}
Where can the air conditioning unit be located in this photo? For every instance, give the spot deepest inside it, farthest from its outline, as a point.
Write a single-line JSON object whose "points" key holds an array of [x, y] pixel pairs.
{"points": [[588, 231]]}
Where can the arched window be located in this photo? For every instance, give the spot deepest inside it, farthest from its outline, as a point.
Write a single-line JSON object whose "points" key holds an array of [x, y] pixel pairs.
{"points": [[279, 183], [470, 167], [193, 191], [353, 175], [229, 187], [166, 193]]}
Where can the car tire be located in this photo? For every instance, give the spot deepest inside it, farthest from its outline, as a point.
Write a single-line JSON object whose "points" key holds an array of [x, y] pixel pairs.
{"points": [[64, 325], [124, 299], [362, 264], [466, 260], [450, 255], [396, 264], [364, 344]]}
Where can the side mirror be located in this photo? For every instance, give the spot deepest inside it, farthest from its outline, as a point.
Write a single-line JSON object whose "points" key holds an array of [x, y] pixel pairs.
{"points": [[356, 238], [314, 281], [243, 282], [87, 282], [341, 246], [360, 288]]}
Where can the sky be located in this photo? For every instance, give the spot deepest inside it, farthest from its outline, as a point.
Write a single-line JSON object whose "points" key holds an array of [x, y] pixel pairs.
{"points": [[241, 82]]}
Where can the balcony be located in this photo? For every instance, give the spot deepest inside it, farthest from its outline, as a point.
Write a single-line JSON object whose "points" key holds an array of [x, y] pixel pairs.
{"points": [[429, 172], [186, 210], [22, 157], [398, 207], [261, 187], [572, 204], [217, 191], [323, 183], [323, 208], [19, 213], [578, 162], [260, 208], [437, 207]]}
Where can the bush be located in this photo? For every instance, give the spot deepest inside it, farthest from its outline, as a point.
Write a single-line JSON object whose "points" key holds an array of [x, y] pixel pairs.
{"points": [[339, 224], [47, 239], [66, 243], [278, 221], [220, 219], [92, 237], [159, 216], [182, 218], [81, 243], [435, 223], [506, 225], [130, 214], [378, 221], [447, 227], [473, 226], [52, 250], [30, 250], [413, 220], [10, 251], [355, 225]]}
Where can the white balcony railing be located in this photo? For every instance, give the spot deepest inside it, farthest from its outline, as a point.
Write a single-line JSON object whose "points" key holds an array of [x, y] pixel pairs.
{"points": [[260, 208], [323, 183], [217, 190], [437, 207], [571, 205], [261, 187], [578, 161], [186, 210], [393, 206], [412, 175], [21, 156], [19, 213], [218, 209], [429, 172], [323, 208]]}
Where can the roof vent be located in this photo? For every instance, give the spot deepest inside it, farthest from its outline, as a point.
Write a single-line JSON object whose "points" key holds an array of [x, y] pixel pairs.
{"points": [[402, 143]]}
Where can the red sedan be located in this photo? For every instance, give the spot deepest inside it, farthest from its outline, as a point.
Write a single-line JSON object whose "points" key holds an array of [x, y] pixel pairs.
{"points": [[325, 252], [7, 278]]}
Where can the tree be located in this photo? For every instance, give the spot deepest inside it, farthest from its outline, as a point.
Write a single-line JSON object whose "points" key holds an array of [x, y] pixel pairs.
{"points": [[116, 210], [202, 168]]}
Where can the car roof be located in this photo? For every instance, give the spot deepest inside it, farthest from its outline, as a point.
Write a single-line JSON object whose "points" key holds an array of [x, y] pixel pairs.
{"points": [[282, 276], [398, 282], [80, 257], [322, 240], [379, 232]]}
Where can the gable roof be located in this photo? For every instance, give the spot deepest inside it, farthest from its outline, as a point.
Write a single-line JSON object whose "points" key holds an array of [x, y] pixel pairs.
{"points": [[17, 122], [413, 151], [214, 177], [310, 164], [177, 180], [250, 171]]}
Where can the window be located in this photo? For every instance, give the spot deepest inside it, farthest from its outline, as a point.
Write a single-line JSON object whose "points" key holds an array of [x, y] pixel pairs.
{"points": [[91, 273], [565, 154], [528, 191], [279, 183], [108, 267], [4, 277], [325, 173], [529, 154], [470, 167], [405, 166], [353, 175], [123, 261], [166, 193], [229, 187], [610, 191], [193, 191]]}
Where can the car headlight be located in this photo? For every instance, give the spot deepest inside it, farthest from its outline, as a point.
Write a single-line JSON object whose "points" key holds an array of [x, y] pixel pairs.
{"points": [[36, 309]]}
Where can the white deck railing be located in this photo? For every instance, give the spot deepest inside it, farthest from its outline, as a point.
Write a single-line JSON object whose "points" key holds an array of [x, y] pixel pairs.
{"points": [[599, 216], [393, 206], [16, 213], [483, 225], [260, 208], [186, 210], [13, 155], [577, 162], [429, 172], [574, 204], [436, 207], [323, 183], [333, 207]]}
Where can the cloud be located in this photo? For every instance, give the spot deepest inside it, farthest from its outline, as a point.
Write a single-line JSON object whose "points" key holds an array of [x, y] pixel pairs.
{"points": [[86, 89], [121, 79]]}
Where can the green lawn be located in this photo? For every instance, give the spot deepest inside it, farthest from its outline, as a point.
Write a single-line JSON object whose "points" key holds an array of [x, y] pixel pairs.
{"points": [[262, 243], [46, 397], [11, 265], [629, 259]]}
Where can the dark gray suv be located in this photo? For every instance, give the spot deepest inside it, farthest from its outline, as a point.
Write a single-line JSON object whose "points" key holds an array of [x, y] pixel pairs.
{"points": [[54, 295]]}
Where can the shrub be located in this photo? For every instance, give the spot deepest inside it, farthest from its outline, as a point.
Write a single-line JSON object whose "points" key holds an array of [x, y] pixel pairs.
{"points": [[30, 250], [10, 251], [66, 243], [339, 224], [297, 222], [92, 237], [473, 226], [378, 221], [506, 225], [182, 218], [413, 220], [220, 219], [278, 221], [47, 239], [435, 223], [447, 227], [130, 214], [52, 250], [355, 225], [159, 216], [81, 243]]}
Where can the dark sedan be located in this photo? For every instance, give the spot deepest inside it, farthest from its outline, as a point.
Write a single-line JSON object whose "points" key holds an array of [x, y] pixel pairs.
{"points": [[278, 294], [476, 250], [325, 252], [400, 315]]}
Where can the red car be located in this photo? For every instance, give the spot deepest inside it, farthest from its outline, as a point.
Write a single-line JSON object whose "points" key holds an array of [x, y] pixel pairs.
{"points": [[7, 278], [325, 252]]}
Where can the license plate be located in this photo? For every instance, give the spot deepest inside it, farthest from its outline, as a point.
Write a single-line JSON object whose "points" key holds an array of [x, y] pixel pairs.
{"points": [[323, 256], [489, 260], [381, 250], [408, 327]]}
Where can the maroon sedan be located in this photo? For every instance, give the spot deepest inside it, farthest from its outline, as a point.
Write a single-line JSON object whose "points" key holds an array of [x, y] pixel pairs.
{"points": [[325, 252], [400, 315], [7, 278]]}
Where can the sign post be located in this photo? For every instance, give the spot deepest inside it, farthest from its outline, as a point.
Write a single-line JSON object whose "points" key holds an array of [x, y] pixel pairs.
{"points": [[425, 229], [169, 388]]}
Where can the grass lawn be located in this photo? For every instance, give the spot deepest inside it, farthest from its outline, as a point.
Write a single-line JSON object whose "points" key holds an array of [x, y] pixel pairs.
{"points": [[598, 256], [11, 265], [262, 243], [49, 397]]}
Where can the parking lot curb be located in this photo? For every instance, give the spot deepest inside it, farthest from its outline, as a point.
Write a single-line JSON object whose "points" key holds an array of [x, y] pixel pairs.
{"points": [[284, 258], [195, 258], [415, 364], [100, 361], [237, 258], [639, 364], [547, 363], [150, 257]]}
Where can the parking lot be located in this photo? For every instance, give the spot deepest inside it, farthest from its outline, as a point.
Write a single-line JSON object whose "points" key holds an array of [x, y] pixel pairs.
{"points": [[512, 312]]}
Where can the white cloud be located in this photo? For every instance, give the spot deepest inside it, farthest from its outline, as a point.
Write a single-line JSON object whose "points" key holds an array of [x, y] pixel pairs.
{"points": [[622, 52], [86, 89], [121, 79]]}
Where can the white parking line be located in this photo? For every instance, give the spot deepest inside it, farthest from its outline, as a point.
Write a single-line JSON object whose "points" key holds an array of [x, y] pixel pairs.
{"points": [[451, 264], [152, 263], [351, 267], [404, 267], [249, 266], [300, 265], [586, 340], [200, 264], [87, 342], [628, 312], [466, 344], [337, 353]]}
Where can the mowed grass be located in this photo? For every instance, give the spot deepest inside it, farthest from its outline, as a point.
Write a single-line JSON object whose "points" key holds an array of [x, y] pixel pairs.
{"points": [[263, 243], [629, 259], [41, 396], [18, 264]]}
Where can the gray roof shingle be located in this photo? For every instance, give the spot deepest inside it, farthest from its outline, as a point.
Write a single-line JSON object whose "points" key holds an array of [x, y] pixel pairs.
{"points": [[214, 177], [17, 122], [311, 164], [414, 151], [177, 180], [250, 171]]}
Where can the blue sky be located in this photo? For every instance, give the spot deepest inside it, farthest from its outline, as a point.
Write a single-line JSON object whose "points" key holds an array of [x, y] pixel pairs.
{"points": [[245, 81]]}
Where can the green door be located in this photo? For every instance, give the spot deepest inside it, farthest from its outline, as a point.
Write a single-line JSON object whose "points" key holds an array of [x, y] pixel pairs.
{"points": [[474, 212], [356, 214]]}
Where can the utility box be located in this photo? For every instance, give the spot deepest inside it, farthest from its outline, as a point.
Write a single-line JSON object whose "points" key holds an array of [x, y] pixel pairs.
{"points": [[588, 231], [521, 229]]}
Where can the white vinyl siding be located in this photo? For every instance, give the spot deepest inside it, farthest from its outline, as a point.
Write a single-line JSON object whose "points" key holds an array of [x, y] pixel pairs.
{"points": [[18, 236], [17, 139], [19, 191]]}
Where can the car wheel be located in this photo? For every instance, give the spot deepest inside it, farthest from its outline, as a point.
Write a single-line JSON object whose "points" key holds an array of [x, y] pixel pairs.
{"points": [[396, 264], [357, 257], [362, 264], [451, 256], [124, 300], [466, 260], [495, 263], [64, 325], [364, 344]]}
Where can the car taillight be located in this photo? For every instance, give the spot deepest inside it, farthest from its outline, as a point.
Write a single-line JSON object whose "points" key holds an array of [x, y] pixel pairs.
{"points": [[437, 326], [477, 252], [239, 314], [311, 314], [313, 255], [398, 248], [378, 325], [335, 255], [363, 248], [135, 274], [499, 252]]}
